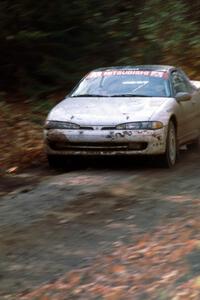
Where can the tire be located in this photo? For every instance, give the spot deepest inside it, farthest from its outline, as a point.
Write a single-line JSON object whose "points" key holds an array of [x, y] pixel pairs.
{"points": [[55, 161], [170, 156]]}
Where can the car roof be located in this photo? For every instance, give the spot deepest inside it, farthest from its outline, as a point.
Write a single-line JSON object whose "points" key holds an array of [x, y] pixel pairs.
{"points": [[139, 67]]}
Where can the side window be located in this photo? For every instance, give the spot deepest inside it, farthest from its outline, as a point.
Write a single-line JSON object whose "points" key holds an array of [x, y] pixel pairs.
{"points": [[179, 83]]}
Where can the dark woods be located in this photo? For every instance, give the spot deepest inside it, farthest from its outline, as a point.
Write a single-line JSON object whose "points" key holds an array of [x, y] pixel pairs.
{"points": [[48, 45]]}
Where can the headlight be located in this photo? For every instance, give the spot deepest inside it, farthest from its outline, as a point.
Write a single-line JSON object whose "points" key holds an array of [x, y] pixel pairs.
{"points": [[140, 125], [60, 125]]}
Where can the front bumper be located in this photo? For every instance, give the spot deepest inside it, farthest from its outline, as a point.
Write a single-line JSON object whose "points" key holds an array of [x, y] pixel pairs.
{"points": [[105, 142]]}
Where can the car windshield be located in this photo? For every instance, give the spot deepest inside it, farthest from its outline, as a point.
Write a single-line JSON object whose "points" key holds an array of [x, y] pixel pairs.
{"points": [[123, 83]]}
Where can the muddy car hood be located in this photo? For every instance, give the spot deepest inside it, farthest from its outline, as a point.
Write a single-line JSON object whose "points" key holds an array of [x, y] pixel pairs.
{"points": [[106, 111]]}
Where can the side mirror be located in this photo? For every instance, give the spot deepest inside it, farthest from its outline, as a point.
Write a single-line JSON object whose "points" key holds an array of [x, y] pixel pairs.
{"points": [[182, 97]]}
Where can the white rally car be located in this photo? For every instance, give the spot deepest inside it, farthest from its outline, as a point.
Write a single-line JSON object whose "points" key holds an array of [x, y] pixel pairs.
{"points": [[132, 110]]}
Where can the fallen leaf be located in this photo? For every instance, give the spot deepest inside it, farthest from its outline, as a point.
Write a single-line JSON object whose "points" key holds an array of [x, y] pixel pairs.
{"points": [[12, 170], [118, 269], [115, 294], [197, 282], [73, 278]]}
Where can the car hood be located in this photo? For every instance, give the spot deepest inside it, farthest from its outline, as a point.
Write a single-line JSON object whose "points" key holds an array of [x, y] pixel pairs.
{"points": [[106, 111]]}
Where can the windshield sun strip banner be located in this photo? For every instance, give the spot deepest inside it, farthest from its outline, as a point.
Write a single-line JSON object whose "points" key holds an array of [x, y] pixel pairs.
{"points": [[158, 74]]}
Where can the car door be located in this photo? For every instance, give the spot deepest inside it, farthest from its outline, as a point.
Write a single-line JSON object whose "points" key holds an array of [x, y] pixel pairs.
{"points": [[188, 110]]}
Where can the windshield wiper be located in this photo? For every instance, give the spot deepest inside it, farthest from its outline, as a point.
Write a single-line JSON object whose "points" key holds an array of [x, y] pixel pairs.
{"points": [[89, 95], [117, 95], [129, 95]]}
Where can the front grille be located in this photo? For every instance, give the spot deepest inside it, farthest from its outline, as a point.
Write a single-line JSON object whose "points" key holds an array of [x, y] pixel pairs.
{"points": [[105, 146], [108, 128], [86, 128], [99, 127]]}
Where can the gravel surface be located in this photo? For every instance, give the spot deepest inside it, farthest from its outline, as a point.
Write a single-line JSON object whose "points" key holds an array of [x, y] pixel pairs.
{"points": [[54, 222]]}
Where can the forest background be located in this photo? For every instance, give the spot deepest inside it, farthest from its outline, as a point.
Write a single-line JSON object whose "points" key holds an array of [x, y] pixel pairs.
{"points": [[47, 46]]}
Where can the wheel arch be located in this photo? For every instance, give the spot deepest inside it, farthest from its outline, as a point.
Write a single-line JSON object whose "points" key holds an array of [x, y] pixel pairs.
{"points": [[174, 120]]}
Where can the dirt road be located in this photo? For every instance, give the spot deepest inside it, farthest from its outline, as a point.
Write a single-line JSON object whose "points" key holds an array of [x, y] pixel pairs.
{"points": [[54, 222]]}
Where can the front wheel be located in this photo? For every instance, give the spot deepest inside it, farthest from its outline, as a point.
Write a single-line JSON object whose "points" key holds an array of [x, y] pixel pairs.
{"points": [[169, 158]]}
